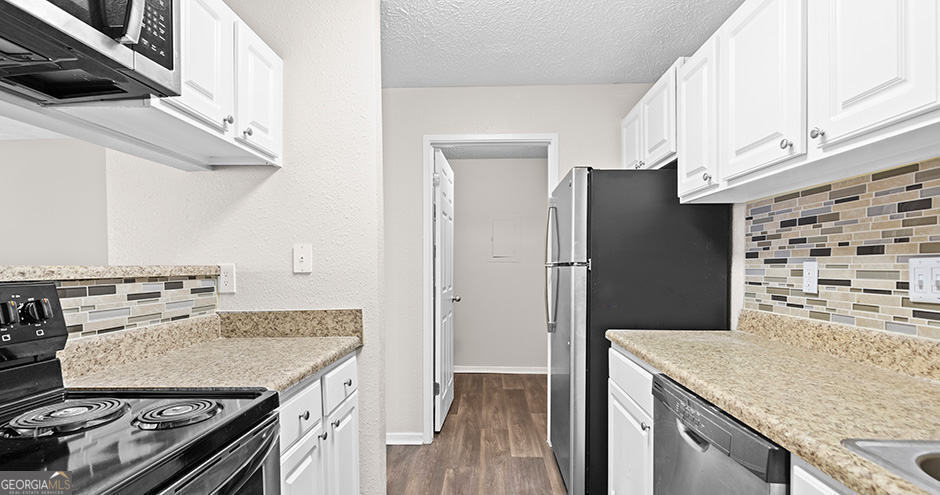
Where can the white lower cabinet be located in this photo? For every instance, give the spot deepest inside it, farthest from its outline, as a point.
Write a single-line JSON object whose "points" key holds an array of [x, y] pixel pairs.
{"points": [[343, 445], [629, 427], [320, 446], [630, 445], [808, 480], [302, 467]]}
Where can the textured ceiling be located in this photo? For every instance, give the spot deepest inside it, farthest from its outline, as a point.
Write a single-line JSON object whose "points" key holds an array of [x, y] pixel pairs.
{"points": [[513, 42]]}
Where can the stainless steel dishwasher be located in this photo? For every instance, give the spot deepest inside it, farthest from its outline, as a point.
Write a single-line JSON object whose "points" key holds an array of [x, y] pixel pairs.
{"points": [[699, 449]]}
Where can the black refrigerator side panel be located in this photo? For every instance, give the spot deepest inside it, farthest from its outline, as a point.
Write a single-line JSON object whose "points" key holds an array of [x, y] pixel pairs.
{"points": [[655, 264]]}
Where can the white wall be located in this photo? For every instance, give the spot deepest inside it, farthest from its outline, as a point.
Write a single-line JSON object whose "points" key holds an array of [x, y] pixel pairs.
{"points": [[328, 193], [54, 194], [587, 119], [499, 323]]}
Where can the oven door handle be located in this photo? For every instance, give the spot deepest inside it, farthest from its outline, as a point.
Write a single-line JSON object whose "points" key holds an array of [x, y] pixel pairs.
{"points": [[229, 470], [134, 23]]}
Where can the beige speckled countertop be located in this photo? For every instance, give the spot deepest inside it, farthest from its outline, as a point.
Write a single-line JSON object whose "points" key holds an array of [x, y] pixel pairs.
{"points": [[10, 273], [806, 400], [271, 362]]}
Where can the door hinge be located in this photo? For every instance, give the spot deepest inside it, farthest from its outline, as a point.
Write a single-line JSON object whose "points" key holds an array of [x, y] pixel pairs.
{"points": [[437, 388]]}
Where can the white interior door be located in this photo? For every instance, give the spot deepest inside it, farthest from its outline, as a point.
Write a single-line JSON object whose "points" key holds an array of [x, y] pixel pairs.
{"points": [[444, 297]]}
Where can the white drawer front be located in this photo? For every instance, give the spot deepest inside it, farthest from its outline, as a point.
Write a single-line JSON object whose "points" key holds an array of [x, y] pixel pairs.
{"points": [[632, 379], [300, 414], [339, 384]]}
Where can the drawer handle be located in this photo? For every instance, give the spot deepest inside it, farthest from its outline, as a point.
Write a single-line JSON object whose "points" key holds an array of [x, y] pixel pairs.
{"points": [[348, 382], [336, 424], [324, 435], [305, 416]]}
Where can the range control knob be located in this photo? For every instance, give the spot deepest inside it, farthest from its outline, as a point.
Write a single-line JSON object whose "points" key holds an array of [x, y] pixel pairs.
{"points": [[37, 311], [8, 313]]}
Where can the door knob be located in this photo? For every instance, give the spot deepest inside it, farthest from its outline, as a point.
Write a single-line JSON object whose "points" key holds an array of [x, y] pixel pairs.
{"points": [[816, 132], [455, 299], [785, 143]]}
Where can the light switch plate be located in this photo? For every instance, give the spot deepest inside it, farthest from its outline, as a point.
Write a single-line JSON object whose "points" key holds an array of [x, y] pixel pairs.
{"points": [[303, 258], [924, 279], [811, 277], [226, 278]]}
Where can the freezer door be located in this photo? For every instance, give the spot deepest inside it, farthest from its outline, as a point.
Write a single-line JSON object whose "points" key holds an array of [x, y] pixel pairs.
{"points": [[569, 203], [567, 373]]}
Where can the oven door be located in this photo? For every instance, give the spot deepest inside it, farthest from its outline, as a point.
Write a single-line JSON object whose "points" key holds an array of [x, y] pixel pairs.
{"points": [[250, 465]]}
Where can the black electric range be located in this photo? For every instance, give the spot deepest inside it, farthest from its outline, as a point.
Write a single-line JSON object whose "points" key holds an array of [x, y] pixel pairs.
{"points": [[109, 441]]}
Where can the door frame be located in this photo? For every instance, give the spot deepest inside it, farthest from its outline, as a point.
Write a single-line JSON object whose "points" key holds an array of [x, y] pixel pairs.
{"points": [[430, 142]]}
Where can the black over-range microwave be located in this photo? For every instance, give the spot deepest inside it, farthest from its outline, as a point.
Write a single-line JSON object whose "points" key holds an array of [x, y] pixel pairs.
{"points": [[67, 51]]}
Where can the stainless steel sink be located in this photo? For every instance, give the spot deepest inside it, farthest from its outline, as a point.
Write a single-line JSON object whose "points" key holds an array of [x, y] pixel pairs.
{"points": [[915, 460]]}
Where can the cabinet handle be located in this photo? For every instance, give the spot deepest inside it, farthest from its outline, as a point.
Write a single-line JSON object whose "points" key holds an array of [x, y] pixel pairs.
{"points": [[229, 120], [706, 177], [816, 132], [644, 426], [348, 382], [305, 416], [785, 143], [336, 424], [248, 132], [324, 435]]}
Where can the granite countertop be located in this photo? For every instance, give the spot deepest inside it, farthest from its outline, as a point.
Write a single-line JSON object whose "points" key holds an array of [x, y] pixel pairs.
{"points": [[271, 362], [12, 273], [806, 400]]}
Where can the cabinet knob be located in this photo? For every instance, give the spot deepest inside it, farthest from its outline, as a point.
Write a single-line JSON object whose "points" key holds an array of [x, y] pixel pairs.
{"points": [[248, 132], [305, 416], [229, 120], [456, 299], [640, 164], [348, 382], [706, 177], [644, 426], [336, 424], [324, 435], [816, 132], [785, 143]]}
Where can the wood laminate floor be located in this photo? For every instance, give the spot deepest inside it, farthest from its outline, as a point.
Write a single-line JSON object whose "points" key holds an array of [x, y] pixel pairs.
{"points": [[493, 443]]}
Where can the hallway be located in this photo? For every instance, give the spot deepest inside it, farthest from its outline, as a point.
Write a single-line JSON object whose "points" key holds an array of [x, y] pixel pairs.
{"points": [[493, 443]]}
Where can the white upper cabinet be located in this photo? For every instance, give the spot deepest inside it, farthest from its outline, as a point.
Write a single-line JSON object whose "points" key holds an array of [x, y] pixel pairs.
{"points": [[762, 110], [207, 65], [659, 120], [648, 132], [260, 89], [697, 123], [631, 140], [871, 64]]}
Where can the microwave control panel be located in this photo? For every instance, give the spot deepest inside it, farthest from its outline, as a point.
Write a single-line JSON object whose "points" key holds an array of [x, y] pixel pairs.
{"points": [[156, 36]]}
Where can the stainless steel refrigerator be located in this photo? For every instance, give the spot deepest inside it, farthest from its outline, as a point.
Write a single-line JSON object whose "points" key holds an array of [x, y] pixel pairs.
{"points": [[621, 253]]}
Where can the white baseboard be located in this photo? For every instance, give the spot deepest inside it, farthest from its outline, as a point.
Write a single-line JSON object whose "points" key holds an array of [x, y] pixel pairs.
{"points": [[513, 370], [404, 438]]}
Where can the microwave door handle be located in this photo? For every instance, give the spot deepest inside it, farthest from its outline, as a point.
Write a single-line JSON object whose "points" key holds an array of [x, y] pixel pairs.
{"points": [[135, 22]]}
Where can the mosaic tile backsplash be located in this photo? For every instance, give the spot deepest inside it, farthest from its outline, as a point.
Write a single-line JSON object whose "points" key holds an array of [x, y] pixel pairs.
{"points": [[94, 307], [861, 231]]}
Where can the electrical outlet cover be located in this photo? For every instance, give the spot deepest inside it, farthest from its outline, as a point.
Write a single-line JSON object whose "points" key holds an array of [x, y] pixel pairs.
{"points": [[924, 279], [226, 278], [303, 258], [811, 277]]}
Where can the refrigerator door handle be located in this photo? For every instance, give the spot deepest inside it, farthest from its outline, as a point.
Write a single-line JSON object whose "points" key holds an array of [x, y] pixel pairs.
{"points": [[551, 289]]}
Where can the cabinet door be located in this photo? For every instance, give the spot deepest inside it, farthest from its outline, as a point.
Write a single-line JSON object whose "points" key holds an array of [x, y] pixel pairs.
{"points": [[871, 64], [762, 103], [803, 482], [697, 126], [658, 109], [207, 63], [630, 445], [259, 85], [302, 466], [631, 139], [343, 451]]}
